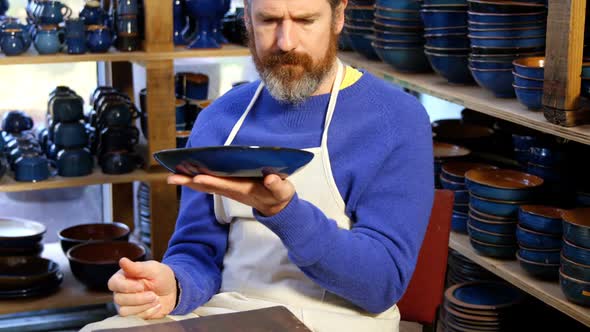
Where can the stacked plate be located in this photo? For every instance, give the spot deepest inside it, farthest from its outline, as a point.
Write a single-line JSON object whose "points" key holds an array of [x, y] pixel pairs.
{"points": [[452, 177], [143, 206], [28, 276], [447, 45], [358, 30], [494, 197], [481, 306], [461, 269], [538, 235], [399, 35], [444, 152], [574, 275], [501, 32], [20, 237]]}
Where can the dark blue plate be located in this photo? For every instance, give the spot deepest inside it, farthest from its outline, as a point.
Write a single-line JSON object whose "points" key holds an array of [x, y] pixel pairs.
{"points": [[483, 295], [234, 161]]}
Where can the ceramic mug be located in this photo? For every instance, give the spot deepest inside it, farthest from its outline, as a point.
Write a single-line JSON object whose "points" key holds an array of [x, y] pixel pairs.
{"points": [[70, 135], [74, 162], [119, 162], [99, 38], [92, 13], [52, 12], [48, 40], [16, 122], [32, 169]]}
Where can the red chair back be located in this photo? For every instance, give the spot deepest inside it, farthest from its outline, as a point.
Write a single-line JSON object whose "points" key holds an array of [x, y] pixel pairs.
{"points": [[425, 291]]}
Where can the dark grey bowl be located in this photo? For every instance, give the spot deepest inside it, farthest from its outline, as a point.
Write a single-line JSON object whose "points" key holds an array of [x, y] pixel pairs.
{"points": [[98, 232]]}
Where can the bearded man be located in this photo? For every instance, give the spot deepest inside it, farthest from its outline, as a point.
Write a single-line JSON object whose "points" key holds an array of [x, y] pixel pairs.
{"points": [[335, 243]]}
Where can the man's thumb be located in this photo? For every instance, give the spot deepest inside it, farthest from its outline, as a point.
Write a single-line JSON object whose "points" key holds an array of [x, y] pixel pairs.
{"points": [[134, 269], [281, 189]]}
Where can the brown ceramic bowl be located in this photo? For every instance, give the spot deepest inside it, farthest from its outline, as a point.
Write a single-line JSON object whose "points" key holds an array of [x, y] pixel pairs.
{"points": [[446, 150], [94, 263], [98, 232], [503, 184], [455, 170], [22, 272]]}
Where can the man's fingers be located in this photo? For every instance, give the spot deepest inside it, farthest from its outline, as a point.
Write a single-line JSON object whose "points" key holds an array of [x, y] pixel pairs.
{"points": [[280, 189], [140, 310], [151, 312], [118, 283], [134, 299]]}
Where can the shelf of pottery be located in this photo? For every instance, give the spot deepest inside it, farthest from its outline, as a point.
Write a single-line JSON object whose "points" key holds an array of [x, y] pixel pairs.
{"points": [[106, 138], [522, 192]]}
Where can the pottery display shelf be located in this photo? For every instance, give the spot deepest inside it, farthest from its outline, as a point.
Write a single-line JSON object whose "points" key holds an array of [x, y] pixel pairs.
{"points": [[32, 57], [547, 291], [470, 96]]}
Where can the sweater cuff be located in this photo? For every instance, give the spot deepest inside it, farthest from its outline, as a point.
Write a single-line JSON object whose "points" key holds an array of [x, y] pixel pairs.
{"points": [[189, 296], [300, 226]]}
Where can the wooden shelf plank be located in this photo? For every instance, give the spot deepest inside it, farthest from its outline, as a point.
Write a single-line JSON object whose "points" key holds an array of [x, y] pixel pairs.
{"points": [[8, 184], [32, 57], [470, 96], [510, 270], [71, 293]]}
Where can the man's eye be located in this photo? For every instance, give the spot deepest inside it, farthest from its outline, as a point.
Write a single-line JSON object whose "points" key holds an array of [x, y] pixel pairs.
{"points": [[306, 21]]}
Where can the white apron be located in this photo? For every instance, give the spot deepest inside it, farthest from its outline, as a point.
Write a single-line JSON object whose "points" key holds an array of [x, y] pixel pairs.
{"points": [[257, 272]]}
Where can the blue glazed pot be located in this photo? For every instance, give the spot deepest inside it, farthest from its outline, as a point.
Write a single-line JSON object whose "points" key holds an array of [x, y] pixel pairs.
{"points": [[511, 18], [548, 157], [575, 290], [404, 59], [479, 25], [489, 64], [451, 185], [396, 4], [399, 15], [499, 81], [536, 240], [403, 23], [362, 45], [575, 270], [539, 218], [545, 256], [459, 223], [407, 37], [495, 207], [434, 18], [463, 208], [491, 250], [576, 233], [461, 196], [525, 82], [487, 192], [539, 270], [455, 40], [508, 33], [361, 24], [530, 67], [489, 237], [498, 227], [506, 42], [532, 98], [454, 68], [491, 217], [359, 13], [504, 7], [446, 30]]}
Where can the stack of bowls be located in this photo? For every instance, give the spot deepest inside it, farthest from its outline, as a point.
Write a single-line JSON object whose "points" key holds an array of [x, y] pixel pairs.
{"points": [[481, 306], [539, 240], [399, 32], [522, 143], [452, 177], [586, 78], [461, 269], [528, 81], [444, 152], [358, 30], [574, 275], [20, 237], [494, 197], [143, 206], [28, 276], [447, 45], [501, 32], [550, 162]]}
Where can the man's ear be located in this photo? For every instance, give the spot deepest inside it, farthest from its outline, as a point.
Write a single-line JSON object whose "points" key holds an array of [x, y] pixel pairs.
{"points": [[247, 13], [339, 12]]}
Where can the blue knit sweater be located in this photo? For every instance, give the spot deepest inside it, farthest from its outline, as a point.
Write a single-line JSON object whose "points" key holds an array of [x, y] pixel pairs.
{"points": [[380, 149]]}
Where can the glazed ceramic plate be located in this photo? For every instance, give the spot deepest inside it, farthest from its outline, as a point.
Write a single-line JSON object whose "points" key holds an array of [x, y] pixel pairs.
{"points": [[234, 161], [483, 295], [16, 232], [41, 289]]}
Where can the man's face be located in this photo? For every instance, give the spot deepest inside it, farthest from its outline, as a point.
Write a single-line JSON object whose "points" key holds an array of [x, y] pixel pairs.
{"points": [[293, 44]]}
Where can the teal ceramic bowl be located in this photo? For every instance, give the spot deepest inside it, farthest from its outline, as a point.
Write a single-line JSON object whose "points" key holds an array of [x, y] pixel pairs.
{"points": [[404, 59], [576, 226], [575, 269], [575, 290], [541, 218], [489, 237], [494, 250], [539, 270]]}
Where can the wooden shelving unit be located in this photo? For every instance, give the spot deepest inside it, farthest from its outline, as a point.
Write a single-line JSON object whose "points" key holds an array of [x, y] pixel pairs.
{"points": [[32, 57], [8, 184], [470, 96], [510, 270], [71, 293]]}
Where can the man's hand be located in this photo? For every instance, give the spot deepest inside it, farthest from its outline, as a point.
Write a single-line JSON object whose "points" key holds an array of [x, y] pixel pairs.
{"points": [[268, 197], [145, 289]]}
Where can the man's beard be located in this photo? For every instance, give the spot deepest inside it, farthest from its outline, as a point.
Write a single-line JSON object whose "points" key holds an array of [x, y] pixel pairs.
{"points": [[292, 77]]}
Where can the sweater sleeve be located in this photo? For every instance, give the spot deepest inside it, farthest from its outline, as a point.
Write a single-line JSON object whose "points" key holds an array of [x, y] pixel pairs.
{"points": [[372, 264]]}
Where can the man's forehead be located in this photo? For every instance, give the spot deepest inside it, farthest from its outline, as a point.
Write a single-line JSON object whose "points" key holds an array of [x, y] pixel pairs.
{"points": [[292, 7]]}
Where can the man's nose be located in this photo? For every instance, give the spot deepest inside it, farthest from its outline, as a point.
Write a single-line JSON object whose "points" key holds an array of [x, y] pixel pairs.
{"points": [[286, 37]]}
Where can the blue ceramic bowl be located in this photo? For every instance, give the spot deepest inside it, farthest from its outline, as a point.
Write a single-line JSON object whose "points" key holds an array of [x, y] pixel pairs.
{"points": [[508, 33], [413, 15], [483, 296], [536, 240], [549, 174], [575, 290], [447, 51], [491, 217], [397, 22], [461, 196], [507, 42], [525, 82], [446, 30], [498, 81], [503, 26], [445, 2], [398, 28], [395, 44], [548, 157], [404, 59], [358, 30], [502, 184], [455, 170], [505, 228], [362, 45], [434, 18], [359, 13], [576, 226], [451, 185], [532, 98], [539, 270], [454, 68], [455, 40], [530, 67], [407, 37], [359, 24], [494, 250], [541, 218], [459, 223], [511, 18], [545, 256], [399, 4], [461, 207], [489, 64], [525, 142], [495, 207], [504, 7], [489, 237], [575, 270]]}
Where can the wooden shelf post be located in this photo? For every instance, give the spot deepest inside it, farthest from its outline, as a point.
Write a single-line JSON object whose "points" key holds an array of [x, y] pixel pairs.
{"points": [[563, 63], [159, 30]]}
